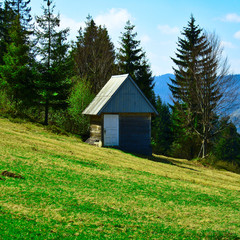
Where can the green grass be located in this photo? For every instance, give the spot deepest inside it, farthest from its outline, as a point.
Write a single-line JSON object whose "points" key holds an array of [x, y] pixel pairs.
{"points": [[75, 191]]}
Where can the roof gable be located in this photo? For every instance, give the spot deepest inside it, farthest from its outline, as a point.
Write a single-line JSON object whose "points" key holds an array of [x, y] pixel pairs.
{"points": [[120, 95]]}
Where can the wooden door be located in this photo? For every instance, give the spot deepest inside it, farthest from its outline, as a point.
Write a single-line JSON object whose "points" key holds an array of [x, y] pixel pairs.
{"points": [[111, 130]]}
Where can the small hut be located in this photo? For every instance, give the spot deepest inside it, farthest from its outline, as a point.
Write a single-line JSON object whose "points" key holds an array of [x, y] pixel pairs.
{"points": [[120, 116]]}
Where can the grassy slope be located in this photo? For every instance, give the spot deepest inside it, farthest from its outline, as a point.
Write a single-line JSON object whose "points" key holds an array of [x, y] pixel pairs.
{"points": [[77, 191]]}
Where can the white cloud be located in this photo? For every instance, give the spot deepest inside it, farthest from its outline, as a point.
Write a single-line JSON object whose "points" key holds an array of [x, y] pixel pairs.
{"points": [[166, 29], [231, 17], [237, 35], [234, 64], [115, 19], [145, 39], [73, 25], [227, 45]]}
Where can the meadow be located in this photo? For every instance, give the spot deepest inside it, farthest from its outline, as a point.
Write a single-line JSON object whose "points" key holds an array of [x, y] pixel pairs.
{"points": [[71, 190]]}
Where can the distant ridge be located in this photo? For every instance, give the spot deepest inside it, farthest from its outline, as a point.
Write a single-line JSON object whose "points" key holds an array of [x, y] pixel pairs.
{"points": [[161, 88]]}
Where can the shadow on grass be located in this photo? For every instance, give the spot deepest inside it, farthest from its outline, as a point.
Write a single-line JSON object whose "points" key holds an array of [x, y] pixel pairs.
{"points": [[157, 158], [163, 159]]}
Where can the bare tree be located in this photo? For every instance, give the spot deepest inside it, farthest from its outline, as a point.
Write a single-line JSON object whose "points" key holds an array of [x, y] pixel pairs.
{"points": [[94, 55], [216, 91]]}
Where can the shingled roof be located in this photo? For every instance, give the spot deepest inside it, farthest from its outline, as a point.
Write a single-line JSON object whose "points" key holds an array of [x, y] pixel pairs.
{"points": [[120, 94]]}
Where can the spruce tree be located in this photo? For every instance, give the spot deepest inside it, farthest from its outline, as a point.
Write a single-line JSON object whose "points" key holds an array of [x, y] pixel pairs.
{"points": [[1, 20], [94, 55], [7, 16], [16, 72], [22, 9], [130, 53], [201, 84], [132, 60], [162, 134], [227, 143], [16, 69], [52, 50], [189, 60], [1, 31], [145, 80]]}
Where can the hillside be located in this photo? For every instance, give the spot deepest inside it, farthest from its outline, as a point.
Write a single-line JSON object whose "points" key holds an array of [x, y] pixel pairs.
{"points": [[71, 190]]}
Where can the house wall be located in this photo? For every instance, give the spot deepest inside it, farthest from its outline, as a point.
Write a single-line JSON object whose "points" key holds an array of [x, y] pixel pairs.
{"points": [[96, 130], [128, 99], [135, 133]]}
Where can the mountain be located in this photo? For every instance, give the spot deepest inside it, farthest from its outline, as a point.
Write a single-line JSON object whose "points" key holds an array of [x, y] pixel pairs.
{"points": [[161, 88]]}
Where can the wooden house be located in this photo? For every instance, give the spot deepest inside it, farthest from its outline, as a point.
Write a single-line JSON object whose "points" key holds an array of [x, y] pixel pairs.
{"points": [[120, 116]]}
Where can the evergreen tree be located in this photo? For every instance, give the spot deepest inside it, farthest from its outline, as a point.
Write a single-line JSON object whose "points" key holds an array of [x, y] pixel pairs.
{"points": [[227, 143], [7, 17], [130, 54], [186, 143], [1, 32], [94, 55], [15, 9], [132, 60], [189, 59], [201, 85], [145, 80], [16, 72], [16, 68], [52, 50], [1, 20], [162, 134], [22, 9]]}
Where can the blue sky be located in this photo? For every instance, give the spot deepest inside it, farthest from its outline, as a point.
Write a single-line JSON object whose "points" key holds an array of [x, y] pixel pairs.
{"points": [[158, 23]]}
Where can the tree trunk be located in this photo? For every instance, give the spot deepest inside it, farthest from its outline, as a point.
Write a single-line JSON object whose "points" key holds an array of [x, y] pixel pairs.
{"points": [[204, 148], [204, 141], [46, 112]]}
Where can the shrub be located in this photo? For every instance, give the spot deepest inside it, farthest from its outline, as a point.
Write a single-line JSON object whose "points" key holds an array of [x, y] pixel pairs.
{"points": [[185, 147], [227, 147], [72, 119], [6, 104]]}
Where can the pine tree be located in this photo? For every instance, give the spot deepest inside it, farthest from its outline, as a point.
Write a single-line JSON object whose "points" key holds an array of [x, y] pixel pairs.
{"points": [[132, 60], [52, 50], [200, 84], [16, 68], [94, 55], [7, 17], [61, 59], [190, 57], [22, 9], [16, 72], [1, 32], [162, 134], [190, 52], [227, 143], [130, 54], [145, 80], [1, 20]]}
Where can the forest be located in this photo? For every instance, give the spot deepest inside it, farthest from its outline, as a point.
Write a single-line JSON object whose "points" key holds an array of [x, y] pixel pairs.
{"points": [[46, 79]]}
